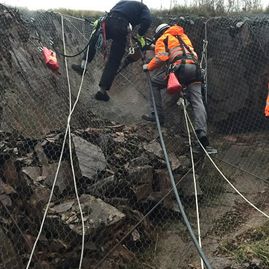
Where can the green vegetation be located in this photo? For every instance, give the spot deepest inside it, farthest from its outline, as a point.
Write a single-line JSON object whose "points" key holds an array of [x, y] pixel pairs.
{"points": [[79, 13], [254, 244], [206, 10], [209, 10]]}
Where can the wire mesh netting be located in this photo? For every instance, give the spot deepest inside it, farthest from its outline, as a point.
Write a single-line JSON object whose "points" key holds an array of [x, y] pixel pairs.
{"points": [[66, 157]]}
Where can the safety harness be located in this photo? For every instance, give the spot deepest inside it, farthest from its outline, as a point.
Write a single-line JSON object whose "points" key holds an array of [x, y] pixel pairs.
{"points": [[178, 63], [187, 58], [99, 35]]}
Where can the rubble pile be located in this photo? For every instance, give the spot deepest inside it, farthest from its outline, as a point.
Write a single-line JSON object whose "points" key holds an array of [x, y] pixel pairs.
{"points": [[120, 173]]}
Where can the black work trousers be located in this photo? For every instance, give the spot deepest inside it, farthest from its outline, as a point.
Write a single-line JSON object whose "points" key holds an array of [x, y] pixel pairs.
{"points": [[116, 30]]}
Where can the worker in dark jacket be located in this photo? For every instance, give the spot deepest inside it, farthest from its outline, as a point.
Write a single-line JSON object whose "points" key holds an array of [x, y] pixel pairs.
{"points": [[117, 24]]}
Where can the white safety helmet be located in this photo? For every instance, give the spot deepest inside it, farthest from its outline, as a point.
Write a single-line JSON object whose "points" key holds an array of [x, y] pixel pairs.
{"points": [[161, 28]]}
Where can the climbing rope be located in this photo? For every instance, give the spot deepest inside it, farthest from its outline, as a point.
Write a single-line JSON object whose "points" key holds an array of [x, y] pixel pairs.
{"points": [[70, 147], [67, 132], [204, 60], [221, 173], [204, 52], [194, 180], [181, 208]]}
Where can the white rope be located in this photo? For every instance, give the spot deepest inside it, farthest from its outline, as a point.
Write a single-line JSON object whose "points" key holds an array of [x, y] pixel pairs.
{"points": [[227, 180], [67, 131], [194, 181], [204, 58], [70, 148], [50, 197]]}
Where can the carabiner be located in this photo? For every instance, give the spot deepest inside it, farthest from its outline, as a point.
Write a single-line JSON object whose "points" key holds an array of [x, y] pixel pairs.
{"points": [[131, 50]]}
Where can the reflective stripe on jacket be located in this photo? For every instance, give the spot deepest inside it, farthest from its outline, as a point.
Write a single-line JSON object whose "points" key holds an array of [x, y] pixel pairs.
{"points": [[168, 47]]}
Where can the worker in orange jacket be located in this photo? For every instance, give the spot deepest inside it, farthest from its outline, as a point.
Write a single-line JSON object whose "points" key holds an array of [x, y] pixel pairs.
{"points": [[174, 49]]}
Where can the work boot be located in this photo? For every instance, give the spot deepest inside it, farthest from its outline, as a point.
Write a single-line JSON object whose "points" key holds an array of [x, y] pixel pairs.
{"points": [[151, 117], [211, 150], [204, 141], [77, 68], [102, 96]]}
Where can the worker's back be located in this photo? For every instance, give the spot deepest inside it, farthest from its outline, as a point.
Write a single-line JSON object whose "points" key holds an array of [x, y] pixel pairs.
{"points": [[135, 12]]}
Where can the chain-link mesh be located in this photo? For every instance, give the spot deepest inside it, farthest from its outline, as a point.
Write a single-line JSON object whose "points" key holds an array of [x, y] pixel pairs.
{"points": [[129, 210]]}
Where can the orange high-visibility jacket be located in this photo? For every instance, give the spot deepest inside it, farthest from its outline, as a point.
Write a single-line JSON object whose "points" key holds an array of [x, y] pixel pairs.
{"points": [[266, 109], [167, 47]]}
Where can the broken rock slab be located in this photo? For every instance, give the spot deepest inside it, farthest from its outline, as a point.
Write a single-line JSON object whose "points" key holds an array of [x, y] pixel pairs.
{"points": [[154, 147], [46, 175], [98, 215], [64, 179], [33, 173], [90, 157]]}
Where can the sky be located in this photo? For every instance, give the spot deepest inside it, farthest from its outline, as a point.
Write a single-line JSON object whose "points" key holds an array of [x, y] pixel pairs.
{"points": [[102, 5]]}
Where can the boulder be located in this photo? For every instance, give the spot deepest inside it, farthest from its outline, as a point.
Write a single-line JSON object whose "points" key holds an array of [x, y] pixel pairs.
{"points": [[90, 157], [98, 216]]}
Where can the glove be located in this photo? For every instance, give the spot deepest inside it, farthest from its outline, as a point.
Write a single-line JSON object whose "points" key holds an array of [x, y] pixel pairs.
{"points": [[95, 24], [141, 40], [145, 67]]}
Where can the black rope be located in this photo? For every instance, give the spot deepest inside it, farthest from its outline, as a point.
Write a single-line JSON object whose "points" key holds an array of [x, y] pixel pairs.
{"points": [[92, 40], [180, 205], [74, 55]]}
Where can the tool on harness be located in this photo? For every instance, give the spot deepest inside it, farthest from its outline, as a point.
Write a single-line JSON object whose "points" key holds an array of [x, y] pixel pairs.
{"points": [[101, 41], [131, 49], [132, 56], [135, 53], [50, 59], [173, 84]]}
